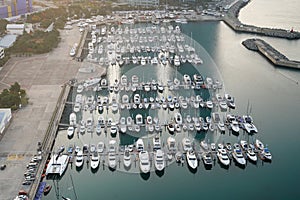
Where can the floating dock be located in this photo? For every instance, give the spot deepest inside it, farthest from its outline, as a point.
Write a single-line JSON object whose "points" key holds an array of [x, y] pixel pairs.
{"points": [[231, 19], [270, 53]]}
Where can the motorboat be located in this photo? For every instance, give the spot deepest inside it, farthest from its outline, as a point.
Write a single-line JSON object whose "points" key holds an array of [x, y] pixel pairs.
{"points": [[204, 145], [77, 107], [171, 127], [79, 159], [112, 162], [186, 144], [94, 161], [79, 88], [70, 131], [171, 142], [98, 128], [140, 144], [156, 143], [122, 125], [124, 80], [230, 101], [178, 118], [92, 148], [213, 147], [238, 155], [127, 158], [266, 154], [139, 119], [176, 61], [192, 159], [221, 126], [159, 160], [72, 119], [187, 79], [251, 155], [209, 104], [57, 164], [207, 159], [100, 147], [144, 161], [113, 128], [235, 126], [259, 145], [223, 157]]}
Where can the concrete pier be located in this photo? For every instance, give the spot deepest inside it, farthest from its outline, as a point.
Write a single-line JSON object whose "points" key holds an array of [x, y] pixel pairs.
{"points": [[270, 53], [231, 19]]}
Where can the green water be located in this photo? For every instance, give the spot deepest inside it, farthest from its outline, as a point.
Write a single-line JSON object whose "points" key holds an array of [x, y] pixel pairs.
{"points": [[275, 100]]}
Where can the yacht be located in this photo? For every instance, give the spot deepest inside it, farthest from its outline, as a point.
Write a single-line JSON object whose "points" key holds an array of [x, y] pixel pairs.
{"points": [[79, 88], [113, 128], [156, 143], [221, 126], [266, 154], [139, 145], [191, 159], [176, 61], [207, 159], [187, 144], [70, 131], [127, 158], [122, 125], [251, 155], [230, 101], [94, 161], [204, 145], [57, 164], [139, 119], [171, 142], [72, 119], [112, 162], [100, 147], [223, 157], [238, 155], [79, 159], [187, 79], [77, 107], [259, 145], [144, 161], [171, 127], [235, 126], [159, 160]]}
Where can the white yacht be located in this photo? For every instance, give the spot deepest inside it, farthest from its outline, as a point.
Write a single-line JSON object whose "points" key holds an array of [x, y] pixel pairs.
{"points": [[100, 147], [251, 155], [187, 144], [235, 126], [156, 143], [192, 159], [94, 161], [230, 101], [70, 131], [223, 157], [176, 61], [139, 145], [77, 107], [238, 155], [127, 158], [159, 160], [144, 161], [207, 159], [259, 145], [72, 119], [171, 142], [79, 159], [113, 128], [112, 162], [139, 119], [57, 164], [122, 125], [266, 154]]}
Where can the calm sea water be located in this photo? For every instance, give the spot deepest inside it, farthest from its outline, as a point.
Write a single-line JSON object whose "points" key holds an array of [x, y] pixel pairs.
{"points": [[275, 98]]}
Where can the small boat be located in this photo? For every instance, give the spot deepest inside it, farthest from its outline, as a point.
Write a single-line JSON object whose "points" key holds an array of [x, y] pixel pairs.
{"points": [[139, 119], [144, 161], [192, 159], [213, 147], [223, 157], [79, 159], [186, 144], [94, 161], [100, 147], [72, 119], [159, 161], [112, 162], [70, 131], [230, 101], [47, 189], [235, 126], [266, 154], [171, 128], [259, 145], [204, 145], [139, 145], [127, 158], [178, 118], [122, 125]]}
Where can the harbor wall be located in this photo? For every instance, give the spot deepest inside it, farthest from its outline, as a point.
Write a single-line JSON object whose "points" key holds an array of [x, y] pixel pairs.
{"points": [[274, 56], [231, 19]]}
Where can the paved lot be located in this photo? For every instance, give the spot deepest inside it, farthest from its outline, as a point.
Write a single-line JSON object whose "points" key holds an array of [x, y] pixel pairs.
{"points": [[42, 76]]}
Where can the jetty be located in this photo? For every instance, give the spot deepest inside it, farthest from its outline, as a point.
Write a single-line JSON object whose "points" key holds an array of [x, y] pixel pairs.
{"points": [[270, 53], [231, 19]]}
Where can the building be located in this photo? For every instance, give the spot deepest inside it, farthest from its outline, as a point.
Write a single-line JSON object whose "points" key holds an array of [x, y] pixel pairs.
{"points": [[2, 54], [10, 8], [5, 117], [15, 29], [144, 3]]}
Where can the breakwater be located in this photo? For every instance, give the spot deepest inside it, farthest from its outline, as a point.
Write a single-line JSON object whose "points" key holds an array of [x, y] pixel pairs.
{"points": [[270, 53], [231, 19]]}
